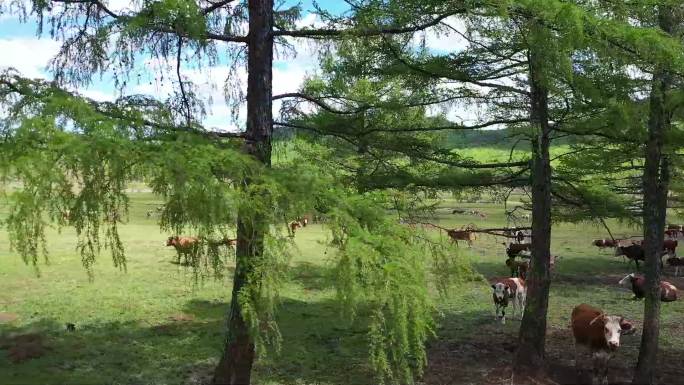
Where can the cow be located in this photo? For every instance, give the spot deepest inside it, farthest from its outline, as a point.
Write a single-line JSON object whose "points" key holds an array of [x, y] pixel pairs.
{"points": [[518, 268], [520, 236], [672, 234], [462, 235], [185, 246], [294, 225], [675, 227], [675, 262], [632, 252], [604, 243], [600, 333], [303, 221], [514, 249], [637, 283], [509, 289]]}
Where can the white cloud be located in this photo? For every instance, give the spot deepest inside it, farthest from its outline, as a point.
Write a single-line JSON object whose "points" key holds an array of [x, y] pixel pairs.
{"points": [[29, 56]]}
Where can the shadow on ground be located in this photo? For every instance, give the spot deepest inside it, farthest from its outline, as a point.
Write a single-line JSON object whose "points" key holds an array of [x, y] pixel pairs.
{"points": [[317, 348], [462, 357]]}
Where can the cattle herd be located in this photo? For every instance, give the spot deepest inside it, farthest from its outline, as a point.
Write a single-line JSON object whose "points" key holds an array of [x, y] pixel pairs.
{"points": [[592, 328]]}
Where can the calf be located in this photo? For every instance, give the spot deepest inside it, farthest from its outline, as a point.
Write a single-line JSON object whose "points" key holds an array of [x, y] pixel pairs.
{"points": [[600, 333], [518, 268], [505, 290], [185, 246], [462, 235], [675, 262], [603, 243], [668, 292], [513, 249]]}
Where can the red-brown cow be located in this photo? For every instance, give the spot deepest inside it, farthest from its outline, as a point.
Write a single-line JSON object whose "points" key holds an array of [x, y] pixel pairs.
{"points": [[185, 246], [600, 333], [294, 225], [509, 289], [637, 283], [672, 234], [462, 235]]}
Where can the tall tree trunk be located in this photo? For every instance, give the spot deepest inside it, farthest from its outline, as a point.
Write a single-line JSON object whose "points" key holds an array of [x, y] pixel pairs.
{"points": [[530, 355], [235, 366], [656, 181]]}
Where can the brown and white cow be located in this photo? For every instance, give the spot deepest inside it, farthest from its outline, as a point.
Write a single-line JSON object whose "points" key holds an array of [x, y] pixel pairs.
{"points": [[632, 252], [505, 290], [637, 283], [185, 246], [294, 225], [462, 235], [600, 334], [672, 234], [604, 243]]}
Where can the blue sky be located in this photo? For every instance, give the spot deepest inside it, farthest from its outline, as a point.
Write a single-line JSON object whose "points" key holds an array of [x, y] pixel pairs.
{"points": [[24, 50]]}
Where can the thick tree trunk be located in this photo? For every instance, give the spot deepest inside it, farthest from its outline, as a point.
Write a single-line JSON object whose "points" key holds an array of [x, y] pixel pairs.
{"points": [[656, 181], [530, 355], [235, 366]]}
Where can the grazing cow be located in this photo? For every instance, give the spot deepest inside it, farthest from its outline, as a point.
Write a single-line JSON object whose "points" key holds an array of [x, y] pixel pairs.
{"points": [[672, 234], [185, 246], [462, 235], [603, 243], [505, 290], [675, 262], [518, 268], [668, 292], [632, 252], [514, 249], [600, 333], [294, 225]]}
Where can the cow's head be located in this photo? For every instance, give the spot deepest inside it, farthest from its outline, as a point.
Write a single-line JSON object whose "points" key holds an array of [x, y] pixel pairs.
{"points": [[627, 280], [501, 292], [613, 328], [171, 241]]}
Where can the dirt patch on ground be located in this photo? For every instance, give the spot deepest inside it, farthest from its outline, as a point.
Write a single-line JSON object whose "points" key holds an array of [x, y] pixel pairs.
{"points": [[485, 359], [8, 317], [24, 347], [182, 317]]}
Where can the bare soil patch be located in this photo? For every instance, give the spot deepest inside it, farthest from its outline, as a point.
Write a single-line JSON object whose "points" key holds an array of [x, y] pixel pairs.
{"points": [[24, 347], [8, 317]]}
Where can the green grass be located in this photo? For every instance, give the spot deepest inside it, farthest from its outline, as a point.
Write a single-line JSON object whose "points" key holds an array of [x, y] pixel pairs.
{"points": [[151, 325]]}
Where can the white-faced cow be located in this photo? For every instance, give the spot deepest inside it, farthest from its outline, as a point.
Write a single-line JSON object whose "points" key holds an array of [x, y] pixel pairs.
{"points": [[604, 243], [637, 283], [505, 290], [600, 333]]}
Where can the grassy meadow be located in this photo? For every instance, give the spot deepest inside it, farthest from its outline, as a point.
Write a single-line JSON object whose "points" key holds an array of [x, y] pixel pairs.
{"points": [[153, 325]]}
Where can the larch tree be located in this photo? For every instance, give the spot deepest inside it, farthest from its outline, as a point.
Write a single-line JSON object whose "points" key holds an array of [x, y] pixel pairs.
{"points": [[73, 157]]}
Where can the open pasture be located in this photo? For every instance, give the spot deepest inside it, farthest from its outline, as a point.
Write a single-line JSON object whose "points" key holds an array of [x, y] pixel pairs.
{"points": [[153, 325]]}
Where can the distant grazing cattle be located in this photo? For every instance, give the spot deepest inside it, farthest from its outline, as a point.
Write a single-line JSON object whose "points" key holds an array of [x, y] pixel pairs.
{"points": [[514, 249], [462, 235], [675, 227], [459, 211], [603, 243], [185, 246], [600, 333], [672, 234], [668, 292], [505, 290], [675, 262], [518, 268]]}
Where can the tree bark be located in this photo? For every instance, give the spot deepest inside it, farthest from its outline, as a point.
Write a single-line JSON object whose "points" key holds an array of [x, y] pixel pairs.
{"points": [[529, 357], [235, 366], [656, 180]]}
